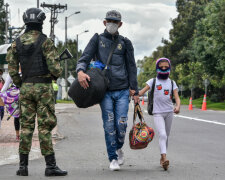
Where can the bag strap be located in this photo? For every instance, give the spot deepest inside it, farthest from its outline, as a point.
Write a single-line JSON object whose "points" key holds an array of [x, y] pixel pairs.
{"points": [[137, 111], [113, 47], [172, 89], [27, 68], [152, 90], [98, 39]]}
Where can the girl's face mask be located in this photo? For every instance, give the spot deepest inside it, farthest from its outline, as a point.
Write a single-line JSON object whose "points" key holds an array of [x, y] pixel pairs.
{"points": [[112, 27], [163, 73]]}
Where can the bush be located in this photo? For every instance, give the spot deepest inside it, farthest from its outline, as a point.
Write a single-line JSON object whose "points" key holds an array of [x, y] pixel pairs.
{"points": [[215, 98]]}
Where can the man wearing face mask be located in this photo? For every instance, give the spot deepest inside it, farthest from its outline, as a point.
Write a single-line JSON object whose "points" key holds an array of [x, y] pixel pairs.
{"points": [[122, 74]]}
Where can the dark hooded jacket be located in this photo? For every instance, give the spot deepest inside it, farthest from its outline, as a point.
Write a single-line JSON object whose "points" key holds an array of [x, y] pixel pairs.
{"points": [[122, 71]]}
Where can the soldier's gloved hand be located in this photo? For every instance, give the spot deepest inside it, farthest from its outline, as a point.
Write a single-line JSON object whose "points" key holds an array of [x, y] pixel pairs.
{"points": [[19, 85], [54, 77]]}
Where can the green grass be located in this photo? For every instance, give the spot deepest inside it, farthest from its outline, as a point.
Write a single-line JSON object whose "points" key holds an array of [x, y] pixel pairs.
{"points": [[210, 105], [64, 101], [184, 101]]}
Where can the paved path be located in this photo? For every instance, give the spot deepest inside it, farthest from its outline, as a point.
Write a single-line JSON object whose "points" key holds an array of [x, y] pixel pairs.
{"points": [[9, 145], [196, 149]]}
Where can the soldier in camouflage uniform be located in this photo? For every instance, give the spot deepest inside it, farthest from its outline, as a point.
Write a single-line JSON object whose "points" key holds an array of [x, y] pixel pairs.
{"points": [[37, 56]]}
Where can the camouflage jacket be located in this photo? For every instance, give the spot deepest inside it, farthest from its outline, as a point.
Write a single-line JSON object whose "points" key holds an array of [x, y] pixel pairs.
{"points": [[49, 52]]}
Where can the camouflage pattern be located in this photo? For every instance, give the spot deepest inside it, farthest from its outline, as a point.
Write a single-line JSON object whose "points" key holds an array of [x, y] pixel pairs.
{"points": [[49, 52], [36, 98]]}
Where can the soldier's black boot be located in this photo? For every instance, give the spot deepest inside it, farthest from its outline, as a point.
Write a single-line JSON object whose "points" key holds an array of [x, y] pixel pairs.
{"points": [[23, 170], [51, 168]]}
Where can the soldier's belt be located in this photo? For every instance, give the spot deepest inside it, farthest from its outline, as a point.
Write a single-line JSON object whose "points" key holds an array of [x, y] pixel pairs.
{"points": [[38, 80]]}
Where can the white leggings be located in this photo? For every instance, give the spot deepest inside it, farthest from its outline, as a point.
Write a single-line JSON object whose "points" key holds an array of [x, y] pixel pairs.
{"points": [[163, 122]]}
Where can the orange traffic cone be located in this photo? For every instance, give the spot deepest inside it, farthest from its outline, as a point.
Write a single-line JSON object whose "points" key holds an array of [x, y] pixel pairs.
{"points": [[190, 104], [204, 103], [142, 102]]}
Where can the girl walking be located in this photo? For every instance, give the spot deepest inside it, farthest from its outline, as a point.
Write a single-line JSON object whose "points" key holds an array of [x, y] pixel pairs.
{"points": [[163, 109]]}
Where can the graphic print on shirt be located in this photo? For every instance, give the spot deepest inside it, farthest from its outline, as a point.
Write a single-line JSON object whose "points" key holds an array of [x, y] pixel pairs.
{"points": [[166, 91], [159, 87]]}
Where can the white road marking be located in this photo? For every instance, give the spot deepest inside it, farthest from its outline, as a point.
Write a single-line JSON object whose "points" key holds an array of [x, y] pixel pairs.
{"points": [[196, 119], [201, 120]]}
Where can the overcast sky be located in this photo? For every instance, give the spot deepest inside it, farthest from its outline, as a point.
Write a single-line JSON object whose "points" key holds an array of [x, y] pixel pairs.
{"points": [[145, 22]]}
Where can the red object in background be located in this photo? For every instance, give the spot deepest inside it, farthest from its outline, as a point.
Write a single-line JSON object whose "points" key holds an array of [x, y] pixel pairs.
{"points": [[190, 104], [142, 102], [204, 103]]}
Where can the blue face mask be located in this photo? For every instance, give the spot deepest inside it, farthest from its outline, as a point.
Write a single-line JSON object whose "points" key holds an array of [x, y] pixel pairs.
{"points": [[163, 73]]}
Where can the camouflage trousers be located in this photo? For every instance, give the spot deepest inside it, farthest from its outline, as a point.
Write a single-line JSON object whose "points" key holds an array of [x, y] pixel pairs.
{"points": [[37, 99]]}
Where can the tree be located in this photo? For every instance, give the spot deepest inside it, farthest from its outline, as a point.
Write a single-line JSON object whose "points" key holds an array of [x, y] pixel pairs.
{"points": [[186, 67], [147, 66], [71, 63], [209, 42], [181, 35], [209, 45], [2, 22], [148, 71]]}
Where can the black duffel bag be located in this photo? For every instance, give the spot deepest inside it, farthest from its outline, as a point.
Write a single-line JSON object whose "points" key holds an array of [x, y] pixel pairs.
{"points": [[94, 94], [98, 85]]}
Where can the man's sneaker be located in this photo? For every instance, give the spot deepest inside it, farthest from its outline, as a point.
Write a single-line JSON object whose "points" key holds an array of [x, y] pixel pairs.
{"points": [[114, 166], [120, 155]]}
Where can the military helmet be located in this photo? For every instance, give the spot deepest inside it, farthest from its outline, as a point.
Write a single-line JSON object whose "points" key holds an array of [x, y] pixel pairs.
{"points": [[33, 15]]}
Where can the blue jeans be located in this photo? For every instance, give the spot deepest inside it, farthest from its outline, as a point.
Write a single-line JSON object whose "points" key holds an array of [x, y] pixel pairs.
{"points": [[114, 108]]}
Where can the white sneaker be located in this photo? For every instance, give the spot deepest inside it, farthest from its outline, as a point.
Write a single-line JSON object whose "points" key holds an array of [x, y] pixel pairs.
{"points": [[114, 166], [120, 154]]}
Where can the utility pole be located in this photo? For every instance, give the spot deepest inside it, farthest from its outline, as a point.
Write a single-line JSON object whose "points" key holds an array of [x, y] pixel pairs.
{"points": [[6, 23], [15, 34], [55, 9], [37, 3], [66, 65], [77, 42]]}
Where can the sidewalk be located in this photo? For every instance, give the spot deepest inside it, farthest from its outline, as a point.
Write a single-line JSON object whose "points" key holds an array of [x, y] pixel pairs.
{"points": [[9, 145]]}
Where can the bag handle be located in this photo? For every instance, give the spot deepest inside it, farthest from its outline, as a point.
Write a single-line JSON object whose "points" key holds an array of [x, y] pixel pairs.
{"points": [[137, 111], [172, 90]]}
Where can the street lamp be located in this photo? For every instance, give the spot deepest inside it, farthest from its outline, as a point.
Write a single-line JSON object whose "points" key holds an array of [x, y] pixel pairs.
{"points": [[77, 40], [66, 66]]}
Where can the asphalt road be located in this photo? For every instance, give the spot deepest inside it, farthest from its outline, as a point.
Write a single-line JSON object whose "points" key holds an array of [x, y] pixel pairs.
{"points": [[196, 149]]}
